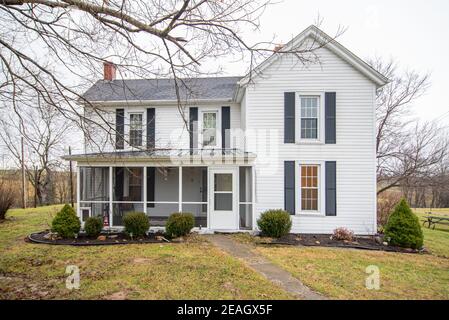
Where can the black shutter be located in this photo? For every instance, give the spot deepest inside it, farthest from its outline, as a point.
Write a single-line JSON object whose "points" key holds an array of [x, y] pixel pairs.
{"points": [[151, 128], [193, 118], [151, 177], [331, 188], [289, 186], [289, 117], [330, 119], [120, 128], [225, 127]]}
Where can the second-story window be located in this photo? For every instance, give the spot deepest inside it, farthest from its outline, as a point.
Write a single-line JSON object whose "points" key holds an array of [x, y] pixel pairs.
{"points": [[209, 131], [135, 129], [309, 112]]}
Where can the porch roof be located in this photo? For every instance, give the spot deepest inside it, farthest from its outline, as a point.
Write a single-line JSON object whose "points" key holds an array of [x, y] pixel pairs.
{"points": [[173, 155]]}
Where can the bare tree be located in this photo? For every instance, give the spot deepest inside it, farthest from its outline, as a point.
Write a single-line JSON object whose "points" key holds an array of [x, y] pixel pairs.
{"points": [[43, 41], [405, 148], [430, 189], [45, 132], [413, 155]]}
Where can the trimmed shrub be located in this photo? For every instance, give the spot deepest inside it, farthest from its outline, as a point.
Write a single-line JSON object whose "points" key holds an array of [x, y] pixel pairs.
{"points": [[343, 234], [275, 223], [403, 228], [66, 223], [136, 223], [179, 224], [93, 226]]}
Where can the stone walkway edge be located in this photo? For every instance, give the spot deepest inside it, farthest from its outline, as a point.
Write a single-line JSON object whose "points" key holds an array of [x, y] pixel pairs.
{"points": [[260, 264]]}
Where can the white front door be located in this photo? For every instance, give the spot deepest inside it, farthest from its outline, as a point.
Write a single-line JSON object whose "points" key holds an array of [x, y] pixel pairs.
{"points": [[223, 200]]}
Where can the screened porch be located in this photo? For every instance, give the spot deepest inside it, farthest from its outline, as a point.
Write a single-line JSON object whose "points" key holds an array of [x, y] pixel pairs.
{"points": [[113, 191]]}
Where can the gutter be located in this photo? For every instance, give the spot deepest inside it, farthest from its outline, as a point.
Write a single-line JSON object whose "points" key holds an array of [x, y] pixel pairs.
{"points": [[158, 102]]}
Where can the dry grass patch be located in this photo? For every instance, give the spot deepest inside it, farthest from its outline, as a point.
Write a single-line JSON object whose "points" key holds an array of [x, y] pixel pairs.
{"points": [[341, 273], [191, 270]]}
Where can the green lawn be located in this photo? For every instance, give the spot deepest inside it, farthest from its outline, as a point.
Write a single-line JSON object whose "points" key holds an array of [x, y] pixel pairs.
{"points": [[193, 270], [197, 270], [341, 273]]}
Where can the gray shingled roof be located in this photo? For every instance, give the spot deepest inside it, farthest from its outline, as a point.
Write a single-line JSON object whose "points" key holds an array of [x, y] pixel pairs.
{"points": [[162, 89]]}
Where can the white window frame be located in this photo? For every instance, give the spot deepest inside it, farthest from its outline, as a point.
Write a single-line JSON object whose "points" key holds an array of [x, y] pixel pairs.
{"points": [[128, 128], [320, 122], [321, 188], [218, 129], [81, 213]]}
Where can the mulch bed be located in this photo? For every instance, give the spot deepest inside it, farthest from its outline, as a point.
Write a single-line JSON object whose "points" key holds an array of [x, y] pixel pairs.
{"points": [[325, 240], [83, 240]]}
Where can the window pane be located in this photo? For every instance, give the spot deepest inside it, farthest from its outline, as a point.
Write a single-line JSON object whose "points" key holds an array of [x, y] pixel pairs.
{"points": [[209, 129], [209, 137], [309, 117], [223, 182], [223, 201], [309, 188], [309, 129], [135, 138], [210, 120], [135, 129]]}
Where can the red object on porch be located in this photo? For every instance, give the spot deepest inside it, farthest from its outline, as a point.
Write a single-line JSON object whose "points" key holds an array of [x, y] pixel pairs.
{"points": [[105, 221]]}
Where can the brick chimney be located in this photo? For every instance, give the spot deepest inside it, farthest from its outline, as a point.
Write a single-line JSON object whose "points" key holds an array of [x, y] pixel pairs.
{"points": [[109, 71], [278, 47]]}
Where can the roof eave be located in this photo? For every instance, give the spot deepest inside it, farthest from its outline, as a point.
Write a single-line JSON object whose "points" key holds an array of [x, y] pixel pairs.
{"points": [[113, 159], [158, 102]]}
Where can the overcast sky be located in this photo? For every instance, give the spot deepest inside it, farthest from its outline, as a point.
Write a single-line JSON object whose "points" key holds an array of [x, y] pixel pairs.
{"points": [[416, 33]]}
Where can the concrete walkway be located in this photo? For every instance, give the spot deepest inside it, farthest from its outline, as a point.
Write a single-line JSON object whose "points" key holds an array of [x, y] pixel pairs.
{"points": [[263, 266]]}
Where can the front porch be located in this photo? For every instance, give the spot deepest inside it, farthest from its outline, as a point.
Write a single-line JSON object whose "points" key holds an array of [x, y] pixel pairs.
{"points": [[219, 195]]}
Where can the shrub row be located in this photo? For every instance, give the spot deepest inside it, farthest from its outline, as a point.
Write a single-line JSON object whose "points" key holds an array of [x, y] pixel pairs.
{"points": [[402, 229], [67, 224]]}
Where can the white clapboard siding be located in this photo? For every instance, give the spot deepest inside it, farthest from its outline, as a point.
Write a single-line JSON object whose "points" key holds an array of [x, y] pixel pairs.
{"points": [[99, 129], [171, 128], [354, 151]]}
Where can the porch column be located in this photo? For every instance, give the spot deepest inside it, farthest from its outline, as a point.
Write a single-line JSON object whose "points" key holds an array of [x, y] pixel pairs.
{"points": [[110, 197], [180, 189], [78, 191], [145, 189], [253, 198]]}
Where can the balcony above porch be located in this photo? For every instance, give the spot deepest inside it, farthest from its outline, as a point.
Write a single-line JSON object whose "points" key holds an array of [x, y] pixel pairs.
{"points": [[179, 156]]}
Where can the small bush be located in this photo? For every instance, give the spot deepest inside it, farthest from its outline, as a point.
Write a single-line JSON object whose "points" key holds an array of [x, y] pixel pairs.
{"points": [[136, 223], [343, 234], [275, 223], [179, 224], [403, 228], [66, 223], [93, 226], [6, 198]]}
